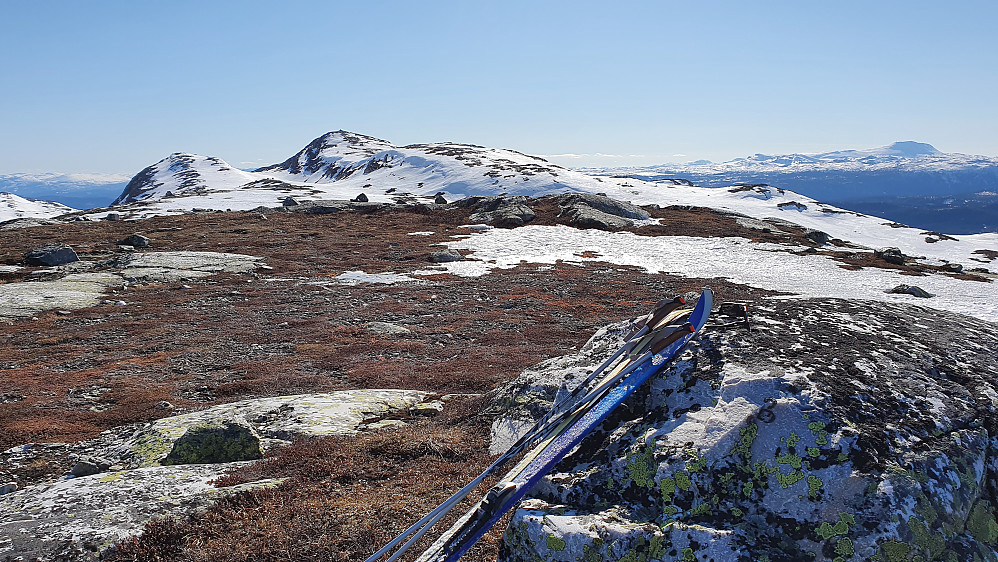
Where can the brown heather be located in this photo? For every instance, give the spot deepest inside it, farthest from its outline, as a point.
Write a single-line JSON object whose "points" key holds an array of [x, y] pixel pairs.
{"points": [[288, 330]]}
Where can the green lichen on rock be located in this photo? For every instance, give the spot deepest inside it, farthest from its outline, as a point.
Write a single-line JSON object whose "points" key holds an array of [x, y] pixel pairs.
{"points": [[896, 551], [841, 527], [668, 487], [683, 481], [640, 468], [844, 547], [814, 485], [981, 523], [746, 436], [219, 442], [554, 543]]}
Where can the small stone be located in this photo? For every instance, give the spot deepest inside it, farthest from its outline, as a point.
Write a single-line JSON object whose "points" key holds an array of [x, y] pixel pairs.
{"points": [[51, 254], [8, 488], [290, 202], [87, 466], [440, 200], [135, 241], [953, 268], [911, 290], [63, 312], [816, 236], [386, 328], [112, 217], [890, 255], [362, 198], [444, 256], [164, 405], [126, 248], [430, 408]]}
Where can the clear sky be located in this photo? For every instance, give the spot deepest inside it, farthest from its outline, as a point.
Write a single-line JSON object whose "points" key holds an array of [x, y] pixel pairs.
{"points": [[113, 86]]}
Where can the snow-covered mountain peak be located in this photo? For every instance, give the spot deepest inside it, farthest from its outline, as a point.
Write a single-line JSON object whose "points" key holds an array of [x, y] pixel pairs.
{"points": [[17, 207], [182, 174], [911, 149]]}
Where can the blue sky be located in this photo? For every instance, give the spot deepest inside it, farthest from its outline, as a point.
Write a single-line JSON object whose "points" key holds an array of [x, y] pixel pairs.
{"points": [[103, 86]]}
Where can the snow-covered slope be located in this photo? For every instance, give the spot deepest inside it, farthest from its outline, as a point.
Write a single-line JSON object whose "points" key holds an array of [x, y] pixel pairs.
{"points": [[16, 207], [341, 165]]}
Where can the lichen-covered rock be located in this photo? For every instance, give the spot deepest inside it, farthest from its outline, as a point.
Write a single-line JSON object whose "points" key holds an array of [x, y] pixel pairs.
{"points": [[75, 519], [230, 440], [269, 422], [168, 267], [834, 430], [78, 290]]}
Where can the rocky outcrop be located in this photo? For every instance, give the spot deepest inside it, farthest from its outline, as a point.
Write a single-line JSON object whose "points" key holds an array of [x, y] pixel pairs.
{"points": [[80, 290], [51, 255], [587, 210], [165, 468], [834, 430], [76, 519], [501, 211]]}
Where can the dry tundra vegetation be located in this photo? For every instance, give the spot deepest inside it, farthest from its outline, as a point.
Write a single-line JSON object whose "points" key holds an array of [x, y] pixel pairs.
{"points": [[292, 329]]}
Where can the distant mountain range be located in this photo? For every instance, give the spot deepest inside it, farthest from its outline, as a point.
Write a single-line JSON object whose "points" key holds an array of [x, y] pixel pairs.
{"points": [[81, 191], [906, 182], [909, 182]]}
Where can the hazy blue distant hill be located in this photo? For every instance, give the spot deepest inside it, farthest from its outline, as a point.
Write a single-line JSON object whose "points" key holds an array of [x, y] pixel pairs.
{"points": [[908, 182], [80, 191]]}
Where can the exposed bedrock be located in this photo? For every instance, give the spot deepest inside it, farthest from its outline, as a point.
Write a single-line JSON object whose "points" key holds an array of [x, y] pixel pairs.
{"points": [[834, 430]]}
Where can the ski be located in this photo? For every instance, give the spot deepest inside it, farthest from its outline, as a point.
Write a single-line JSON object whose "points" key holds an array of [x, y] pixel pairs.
{"points": [[635, 342], [570, 432]]}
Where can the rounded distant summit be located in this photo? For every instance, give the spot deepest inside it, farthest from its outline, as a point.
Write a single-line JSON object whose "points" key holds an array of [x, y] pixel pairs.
{"points": [[911, 149]]}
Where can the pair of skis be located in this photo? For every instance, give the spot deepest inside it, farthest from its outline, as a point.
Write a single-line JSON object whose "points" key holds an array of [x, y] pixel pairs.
{"points": [[654, 343]]}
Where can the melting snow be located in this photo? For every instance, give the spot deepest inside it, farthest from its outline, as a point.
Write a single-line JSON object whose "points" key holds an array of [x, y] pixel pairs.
{"points": [[739, 260]]}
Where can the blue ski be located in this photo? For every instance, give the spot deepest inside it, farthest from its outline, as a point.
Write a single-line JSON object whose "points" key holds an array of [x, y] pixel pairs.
{"points": [[504, 495]]}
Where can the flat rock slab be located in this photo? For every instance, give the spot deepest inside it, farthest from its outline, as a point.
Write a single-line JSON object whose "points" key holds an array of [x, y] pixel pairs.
{"points": [[277, 420], [79, 290], [176, 266], [75, 519]]}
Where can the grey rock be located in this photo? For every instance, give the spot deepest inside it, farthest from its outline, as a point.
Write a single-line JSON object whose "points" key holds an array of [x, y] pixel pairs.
{"points": [[220, 441], [77, 519], [605, 204], [164, 405], [289, 202], [875, 439], [817, 236], [756, 224], [135, 241], [501, 211], [587, 210], [112, 217], [388, 329], [178, 266], [445, 256], [87, 466], [890, 255], [362, 198], [51, 255], [953, 268], [911, 290], [78, 290], [440, 199], [583, 216], [8, 488]]}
